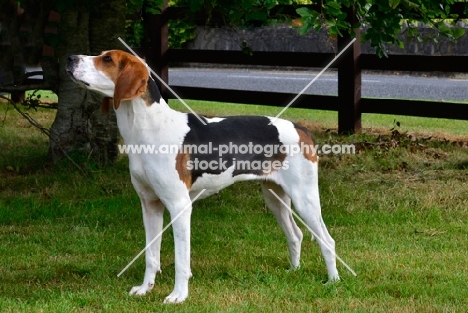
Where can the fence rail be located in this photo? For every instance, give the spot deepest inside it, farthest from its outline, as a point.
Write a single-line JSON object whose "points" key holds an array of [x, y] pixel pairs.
{"points": [[417, 63]]}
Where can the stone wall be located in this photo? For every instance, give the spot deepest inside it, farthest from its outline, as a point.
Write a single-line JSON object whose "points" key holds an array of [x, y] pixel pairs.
{"points": [[286, 38]]}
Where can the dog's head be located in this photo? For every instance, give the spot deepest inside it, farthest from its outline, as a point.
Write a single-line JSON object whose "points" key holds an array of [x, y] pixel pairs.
{"points": [[116, 74]]}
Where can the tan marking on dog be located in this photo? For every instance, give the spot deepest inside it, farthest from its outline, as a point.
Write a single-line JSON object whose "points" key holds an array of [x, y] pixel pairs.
{"points": [[147, 98], [110, 69], [307, 145], [185, 174]]}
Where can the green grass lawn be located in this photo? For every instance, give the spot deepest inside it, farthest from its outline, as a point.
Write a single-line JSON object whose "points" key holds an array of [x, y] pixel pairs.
{"points": [[398, 210]]}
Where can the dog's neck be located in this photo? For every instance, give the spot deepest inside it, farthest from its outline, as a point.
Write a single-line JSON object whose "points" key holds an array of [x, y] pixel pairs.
{"points": [[152, 93], [148, 113]]}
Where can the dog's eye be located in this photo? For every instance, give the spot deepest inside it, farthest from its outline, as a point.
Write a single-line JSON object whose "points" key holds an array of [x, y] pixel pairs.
{"points": [[107, 58]]}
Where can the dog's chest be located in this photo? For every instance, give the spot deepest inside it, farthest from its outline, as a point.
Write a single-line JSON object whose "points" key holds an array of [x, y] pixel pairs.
{"points": [[154, 135]]}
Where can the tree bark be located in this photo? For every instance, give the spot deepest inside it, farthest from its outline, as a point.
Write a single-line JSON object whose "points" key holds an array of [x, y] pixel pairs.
{"points": [[80, 127], [69, 130], [106, 25]]}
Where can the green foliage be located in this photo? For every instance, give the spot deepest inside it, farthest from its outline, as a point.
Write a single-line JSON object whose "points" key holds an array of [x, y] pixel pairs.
{"points": [[134, 32], [243, 13], [382, 19], [180, 32], [63, 5], [150, 6], [33, 100]]}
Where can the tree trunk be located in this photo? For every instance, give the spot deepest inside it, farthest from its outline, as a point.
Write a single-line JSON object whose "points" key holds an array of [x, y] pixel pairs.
{"points": [[69, 132], [106, 25], [80, 127]]}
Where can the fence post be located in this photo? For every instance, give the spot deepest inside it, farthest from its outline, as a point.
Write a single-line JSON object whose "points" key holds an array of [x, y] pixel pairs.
{"points": [[349, 81], [155, 49]]}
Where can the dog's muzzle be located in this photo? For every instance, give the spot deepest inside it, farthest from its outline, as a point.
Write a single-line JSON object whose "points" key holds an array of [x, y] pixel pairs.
{"points": [[72, 63]]}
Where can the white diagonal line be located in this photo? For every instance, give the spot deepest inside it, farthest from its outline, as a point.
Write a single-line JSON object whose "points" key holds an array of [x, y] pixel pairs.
{"points": [[164, 83], [312, 81], [313, 233], [160, 234]]}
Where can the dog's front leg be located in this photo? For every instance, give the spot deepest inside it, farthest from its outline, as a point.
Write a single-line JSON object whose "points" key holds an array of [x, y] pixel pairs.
{"points": [[180, 215], [153, 211]]}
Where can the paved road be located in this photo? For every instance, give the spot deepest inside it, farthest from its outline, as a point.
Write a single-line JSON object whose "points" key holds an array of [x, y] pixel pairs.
{"points": [[373, 85]]}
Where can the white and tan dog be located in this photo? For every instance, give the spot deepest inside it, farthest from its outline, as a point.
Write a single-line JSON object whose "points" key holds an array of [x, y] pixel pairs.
{"points": [[170, 180]]}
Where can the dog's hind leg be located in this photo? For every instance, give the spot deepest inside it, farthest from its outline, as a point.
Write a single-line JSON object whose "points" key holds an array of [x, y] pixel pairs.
{"points": [[285, 219], [153, 211], [306, 201]]}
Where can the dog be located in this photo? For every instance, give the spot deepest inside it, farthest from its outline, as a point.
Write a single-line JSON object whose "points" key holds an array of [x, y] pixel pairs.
{"points": [[171, 180]]}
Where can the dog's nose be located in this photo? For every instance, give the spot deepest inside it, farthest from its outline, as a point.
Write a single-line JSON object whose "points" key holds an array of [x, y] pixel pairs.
{"points": [[72, 59]]}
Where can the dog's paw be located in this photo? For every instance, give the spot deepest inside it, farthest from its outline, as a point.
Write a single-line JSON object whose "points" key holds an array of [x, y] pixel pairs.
{"points": [[175, 297], [333, 280], [293, 268], [141, 290]]}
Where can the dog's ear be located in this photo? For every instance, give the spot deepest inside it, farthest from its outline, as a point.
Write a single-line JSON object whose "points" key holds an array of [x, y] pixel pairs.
{"points": [[131, 82], [106, 103]]}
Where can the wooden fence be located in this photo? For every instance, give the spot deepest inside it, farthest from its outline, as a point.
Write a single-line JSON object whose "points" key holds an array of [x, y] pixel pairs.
{"points": [[349, 103]]}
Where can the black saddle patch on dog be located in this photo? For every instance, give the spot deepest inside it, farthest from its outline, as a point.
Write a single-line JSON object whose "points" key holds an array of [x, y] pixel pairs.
{"points": [[235, 140]]}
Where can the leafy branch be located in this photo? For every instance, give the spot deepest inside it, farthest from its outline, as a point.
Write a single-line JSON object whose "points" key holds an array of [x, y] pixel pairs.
{"points": [[382, 19], [33, 101], [44, 131]]}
